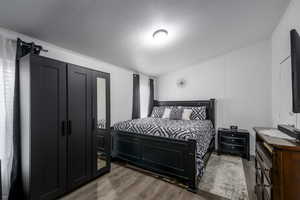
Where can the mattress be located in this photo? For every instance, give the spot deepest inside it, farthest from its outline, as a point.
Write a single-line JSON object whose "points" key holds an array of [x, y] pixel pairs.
{"points": [[200, 130]]}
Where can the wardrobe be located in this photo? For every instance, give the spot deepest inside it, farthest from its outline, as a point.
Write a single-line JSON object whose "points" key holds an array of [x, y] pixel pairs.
{"points": [[65, 120]]}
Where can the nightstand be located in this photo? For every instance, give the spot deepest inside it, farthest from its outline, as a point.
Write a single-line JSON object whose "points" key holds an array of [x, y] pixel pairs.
{"points": [[234, 142]]}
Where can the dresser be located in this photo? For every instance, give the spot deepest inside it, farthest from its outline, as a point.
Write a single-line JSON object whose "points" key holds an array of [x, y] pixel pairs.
{"points": [[277, 166], [234, 142]]}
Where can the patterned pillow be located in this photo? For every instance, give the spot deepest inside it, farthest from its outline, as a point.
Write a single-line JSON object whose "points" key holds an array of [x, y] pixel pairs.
{"points": [[157, 111], [186, 114], [197, 112], [176, 113], [167, 113]]}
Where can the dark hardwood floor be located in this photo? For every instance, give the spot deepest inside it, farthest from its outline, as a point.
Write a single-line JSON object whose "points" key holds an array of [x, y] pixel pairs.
{"points": [[249, 169], [129, 183]]}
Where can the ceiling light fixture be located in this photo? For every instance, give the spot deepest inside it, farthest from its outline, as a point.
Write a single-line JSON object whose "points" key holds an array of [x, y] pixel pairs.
{"points": [[160, 34]]}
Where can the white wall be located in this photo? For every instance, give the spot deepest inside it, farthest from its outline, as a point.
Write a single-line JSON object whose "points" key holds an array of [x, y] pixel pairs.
{"points": [[121, 79], [281, 73], [240, 81]]}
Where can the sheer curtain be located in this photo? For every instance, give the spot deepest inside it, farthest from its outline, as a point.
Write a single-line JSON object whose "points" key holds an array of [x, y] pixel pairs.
{"points": [[7, 74], [144, 95]]}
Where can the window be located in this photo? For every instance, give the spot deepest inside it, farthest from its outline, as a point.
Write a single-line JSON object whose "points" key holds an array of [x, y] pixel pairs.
{"points": [[7, 80], [144, 95]]}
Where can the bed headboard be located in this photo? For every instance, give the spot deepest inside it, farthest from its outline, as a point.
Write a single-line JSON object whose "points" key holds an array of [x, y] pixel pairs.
{"points": [[209, 104]]}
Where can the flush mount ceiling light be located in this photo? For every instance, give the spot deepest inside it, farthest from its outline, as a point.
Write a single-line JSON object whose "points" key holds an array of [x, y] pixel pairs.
{"points": [[160, 34]]}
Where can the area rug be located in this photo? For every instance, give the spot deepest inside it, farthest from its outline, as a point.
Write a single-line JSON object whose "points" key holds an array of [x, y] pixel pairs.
{"points": [[224, 176]]}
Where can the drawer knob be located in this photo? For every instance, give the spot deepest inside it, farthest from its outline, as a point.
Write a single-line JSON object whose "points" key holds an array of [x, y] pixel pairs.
{"points": [[263, 185]]}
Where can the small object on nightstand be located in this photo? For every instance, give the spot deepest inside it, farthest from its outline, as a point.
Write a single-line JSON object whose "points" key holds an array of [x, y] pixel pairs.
{"points": [[234, 141]]}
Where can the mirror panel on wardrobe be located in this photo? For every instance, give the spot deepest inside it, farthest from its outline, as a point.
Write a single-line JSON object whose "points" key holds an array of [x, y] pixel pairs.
{"points": [[101, 103], [101, 117]]}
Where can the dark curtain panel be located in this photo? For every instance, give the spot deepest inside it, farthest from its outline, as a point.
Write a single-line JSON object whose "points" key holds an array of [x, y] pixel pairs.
{"points": [[16, 191], [136, 97], [151, 96]]}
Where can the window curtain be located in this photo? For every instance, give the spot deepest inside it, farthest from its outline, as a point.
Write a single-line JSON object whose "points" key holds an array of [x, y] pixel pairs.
{"points": [[144, 95], [151, 96], [136, 97], [16, 190], [7, 84]]}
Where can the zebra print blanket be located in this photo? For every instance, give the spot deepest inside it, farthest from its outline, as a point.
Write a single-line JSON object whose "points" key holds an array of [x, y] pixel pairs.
{"points": [[200, 130]]}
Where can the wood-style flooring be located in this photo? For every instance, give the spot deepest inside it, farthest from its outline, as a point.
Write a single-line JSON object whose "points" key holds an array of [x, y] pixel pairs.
{"points": [[125, 183]]}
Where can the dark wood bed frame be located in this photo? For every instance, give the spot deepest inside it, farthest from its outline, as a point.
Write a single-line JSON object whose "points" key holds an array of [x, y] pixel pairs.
{"points": [[171, 157]]}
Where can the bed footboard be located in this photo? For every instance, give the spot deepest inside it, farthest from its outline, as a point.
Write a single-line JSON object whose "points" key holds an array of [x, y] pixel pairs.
{"points": [[171, 157]]}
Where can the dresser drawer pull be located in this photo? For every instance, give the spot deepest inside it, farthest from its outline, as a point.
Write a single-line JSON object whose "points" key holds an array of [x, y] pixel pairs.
{"points": [[263, 165], [264, 185], [231, 146], [233, 135], [267, 170], [230, 134], [267, 186]]}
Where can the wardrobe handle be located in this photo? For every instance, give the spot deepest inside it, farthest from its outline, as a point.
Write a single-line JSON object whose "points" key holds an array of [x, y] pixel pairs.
{"points": [[93, 123], [69, 127], [63, 128]]}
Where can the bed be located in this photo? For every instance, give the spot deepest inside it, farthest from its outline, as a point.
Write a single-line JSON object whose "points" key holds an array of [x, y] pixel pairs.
{"points": [[176, 148]]}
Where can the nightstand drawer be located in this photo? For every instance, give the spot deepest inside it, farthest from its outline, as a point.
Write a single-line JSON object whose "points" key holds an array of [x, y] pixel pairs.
{"points": [[233, 134], [226, 147], [233, 140]]}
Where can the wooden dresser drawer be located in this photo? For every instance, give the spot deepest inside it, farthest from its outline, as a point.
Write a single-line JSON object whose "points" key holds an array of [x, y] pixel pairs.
{"points": [[259, 192], [258, 177], [267, 193], [258, 173], [267, 188], [264, 162], [263, 155]]}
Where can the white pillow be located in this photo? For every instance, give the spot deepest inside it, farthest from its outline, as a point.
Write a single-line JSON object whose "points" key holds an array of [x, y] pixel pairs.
{"points": [[186, 114], [167, 113]]}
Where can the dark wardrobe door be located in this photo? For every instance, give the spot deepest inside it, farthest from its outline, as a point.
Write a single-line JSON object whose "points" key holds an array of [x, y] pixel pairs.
{"points": [[101, 139], [48, 139], [79, 125]]}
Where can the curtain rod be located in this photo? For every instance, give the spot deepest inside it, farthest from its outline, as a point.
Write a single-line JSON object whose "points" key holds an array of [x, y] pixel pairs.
{"points": [[29, 45]]}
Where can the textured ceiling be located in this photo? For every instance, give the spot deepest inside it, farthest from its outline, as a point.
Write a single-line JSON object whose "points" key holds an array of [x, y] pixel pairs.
{"points": [[119, 31]]}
